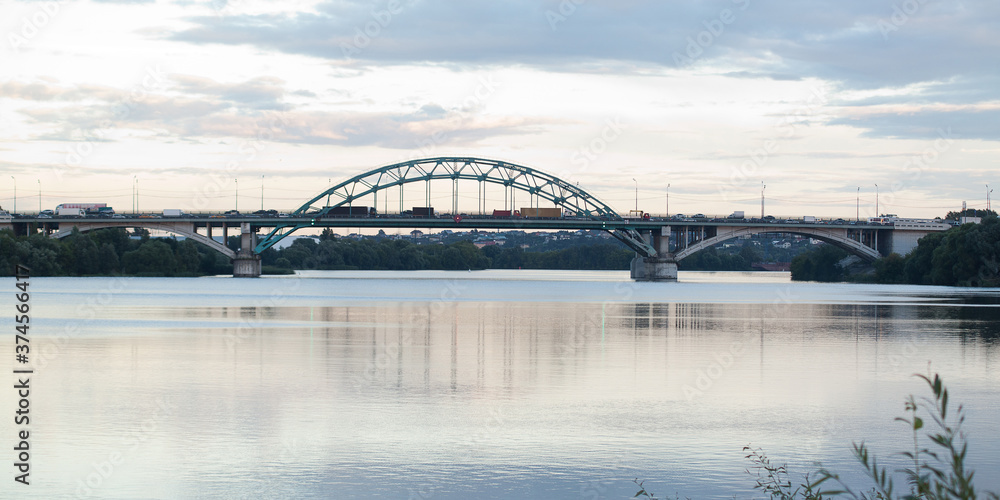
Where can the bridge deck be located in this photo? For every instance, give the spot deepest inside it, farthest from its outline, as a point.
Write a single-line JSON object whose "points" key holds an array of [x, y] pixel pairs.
{"points": [[466, 222]]}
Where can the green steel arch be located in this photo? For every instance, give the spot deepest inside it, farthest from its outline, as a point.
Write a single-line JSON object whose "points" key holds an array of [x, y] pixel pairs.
{"points": [[512, 176]]}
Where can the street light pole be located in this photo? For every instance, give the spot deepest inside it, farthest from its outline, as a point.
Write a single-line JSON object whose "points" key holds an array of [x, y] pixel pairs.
{"points": [[636, 193], [39, 196], [857, 209], [15, 194], [262, 191], [237, 181], [668, 199], [876, 202], [762, 188]]}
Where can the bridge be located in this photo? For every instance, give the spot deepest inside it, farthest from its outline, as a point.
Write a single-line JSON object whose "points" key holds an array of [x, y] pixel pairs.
{"points": [[659, 243]]}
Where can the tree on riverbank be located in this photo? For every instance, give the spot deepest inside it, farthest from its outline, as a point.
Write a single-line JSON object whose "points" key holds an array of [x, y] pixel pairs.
{"points": [[114, 251], [966, 255], [106, 252]]}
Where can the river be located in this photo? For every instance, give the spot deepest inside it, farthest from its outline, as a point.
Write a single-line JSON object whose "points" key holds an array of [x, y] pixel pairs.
{"points": [[489, 384]]}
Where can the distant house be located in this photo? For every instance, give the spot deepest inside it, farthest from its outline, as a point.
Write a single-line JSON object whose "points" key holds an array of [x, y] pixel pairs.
{"points": [[416, 233]]}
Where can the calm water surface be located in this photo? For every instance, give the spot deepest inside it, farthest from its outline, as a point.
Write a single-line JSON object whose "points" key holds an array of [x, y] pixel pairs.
{"points": [[496, 384]]}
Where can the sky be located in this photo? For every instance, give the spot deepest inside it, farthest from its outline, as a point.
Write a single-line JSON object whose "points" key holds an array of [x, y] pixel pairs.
{"points": [[687, 106]]}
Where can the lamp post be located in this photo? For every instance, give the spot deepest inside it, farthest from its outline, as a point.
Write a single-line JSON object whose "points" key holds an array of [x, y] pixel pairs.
{"points": [[262, 191], [988, 191], [857, 209], [237, 181], [15, 193], [39, 195], [762, 188], [636, 193], [876, 201], [668, 199]]}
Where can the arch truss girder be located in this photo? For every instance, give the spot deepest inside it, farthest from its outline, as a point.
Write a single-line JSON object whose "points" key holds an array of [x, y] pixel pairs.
{"points": [[510, 175], [186, 230], [276, 235], [837, 237], [634, 240]]}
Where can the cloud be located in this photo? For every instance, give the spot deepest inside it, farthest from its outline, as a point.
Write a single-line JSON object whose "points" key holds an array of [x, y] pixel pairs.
{"points": [[196, 108], [756, 75], [938, 52], [839, 40], [981, 124], [259, 93]]}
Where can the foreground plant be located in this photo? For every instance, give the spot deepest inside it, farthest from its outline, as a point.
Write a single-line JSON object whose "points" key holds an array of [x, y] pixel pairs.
{"points": [[937, 473]]}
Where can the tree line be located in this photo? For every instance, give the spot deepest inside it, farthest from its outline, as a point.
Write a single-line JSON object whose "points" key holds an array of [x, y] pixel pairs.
{"points": [[115, 251], [965, 255], [108, 252], [395, 254]]}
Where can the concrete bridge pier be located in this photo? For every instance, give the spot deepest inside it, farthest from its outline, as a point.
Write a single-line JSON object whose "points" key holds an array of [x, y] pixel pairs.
{"points": [[662, 267], [246, 264]]}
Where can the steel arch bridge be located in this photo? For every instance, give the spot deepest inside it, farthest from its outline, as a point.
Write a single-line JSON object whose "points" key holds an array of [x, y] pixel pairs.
{"points": [[514, 178]]}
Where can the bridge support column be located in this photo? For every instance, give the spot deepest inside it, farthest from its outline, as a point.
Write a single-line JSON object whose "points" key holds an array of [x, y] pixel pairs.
{"points": [[246, 264], [654, 268], [662, 267]]}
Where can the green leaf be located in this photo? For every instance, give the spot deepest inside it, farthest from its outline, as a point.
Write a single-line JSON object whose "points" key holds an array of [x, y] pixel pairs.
{"points": [[917, 423]]}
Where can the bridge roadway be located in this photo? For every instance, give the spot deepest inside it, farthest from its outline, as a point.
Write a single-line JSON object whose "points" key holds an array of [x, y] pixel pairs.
{"points": [[661, 242]]}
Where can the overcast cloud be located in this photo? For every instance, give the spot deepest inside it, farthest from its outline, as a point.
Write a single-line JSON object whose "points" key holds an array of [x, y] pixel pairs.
{"points": [[697, 85]]}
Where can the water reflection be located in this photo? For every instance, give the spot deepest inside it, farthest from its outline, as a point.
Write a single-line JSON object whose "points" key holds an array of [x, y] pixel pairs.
{"points": [[480, 395]]}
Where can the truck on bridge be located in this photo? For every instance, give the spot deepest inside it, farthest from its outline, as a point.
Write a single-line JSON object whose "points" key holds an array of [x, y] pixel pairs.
{"points": [[349, 211], [62, 211], [531, 212], [88, 208]]}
